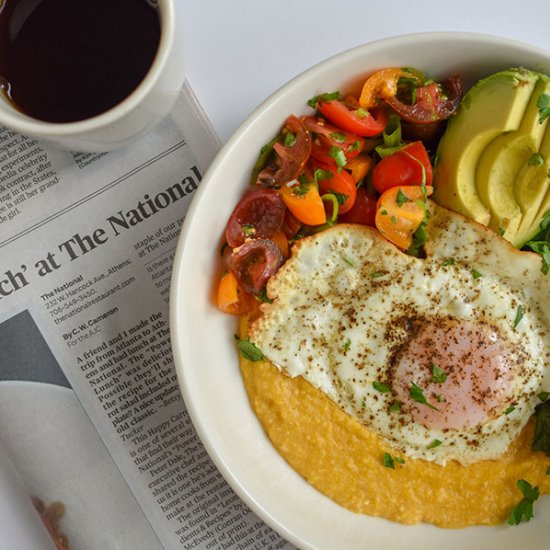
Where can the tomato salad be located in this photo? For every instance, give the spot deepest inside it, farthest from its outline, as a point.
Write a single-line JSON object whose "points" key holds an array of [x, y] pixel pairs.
{"points": [[358, 159]]}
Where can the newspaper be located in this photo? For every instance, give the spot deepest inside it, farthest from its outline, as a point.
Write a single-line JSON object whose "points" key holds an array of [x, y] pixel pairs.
{"points": [[90, 410]]}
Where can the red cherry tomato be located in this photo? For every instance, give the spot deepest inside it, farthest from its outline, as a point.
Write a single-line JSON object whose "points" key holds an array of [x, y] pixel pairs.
{"points": [[408, 166], [254, 263], [290, 159], [340, 183], [331, 144], [259, 214], [431, 104], [364, 209], [357, 121]]}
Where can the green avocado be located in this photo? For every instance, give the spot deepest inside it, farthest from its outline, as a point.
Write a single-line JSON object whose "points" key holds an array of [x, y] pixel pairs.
{"points": [[494, 106], [500, 163], [533, 195]]}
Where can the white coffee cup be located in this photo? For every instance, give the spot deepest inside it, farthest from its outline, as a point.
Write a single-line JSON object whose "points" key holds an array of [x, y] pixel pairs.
{"points": [[139, 113]]}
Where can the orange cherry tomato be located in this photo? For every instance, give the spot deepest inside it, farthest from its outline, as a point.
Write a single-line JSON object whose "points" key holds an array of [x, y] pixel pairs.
{"points": [[359, 166], [383, 85], [232, 298], [399, 214], [281, 240], [304, 203]]}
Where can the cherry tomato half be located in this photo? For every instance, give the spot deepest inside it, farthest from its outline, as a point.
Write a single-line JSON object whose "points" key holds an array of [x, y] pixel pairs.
{"points": [[399, 214], [331, 144], [408, 166], [357, 121], [340, 183], [363, 210], [290, 158]]}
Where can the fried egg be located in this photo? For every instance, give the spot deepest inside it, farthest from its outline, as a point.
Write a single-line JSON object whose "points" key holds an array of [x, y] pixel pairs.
{"points": [[442, 356]]}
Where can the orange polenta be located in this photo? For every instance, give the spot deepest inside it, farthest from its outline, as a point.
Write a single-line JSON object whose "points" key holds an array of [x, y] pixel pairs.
{"points": [[344, 460]]}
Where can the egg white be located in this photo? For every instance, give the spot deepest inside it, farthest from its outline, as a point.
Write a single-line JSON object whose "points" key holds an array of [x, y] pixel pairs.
{"points": [[335, 322]]}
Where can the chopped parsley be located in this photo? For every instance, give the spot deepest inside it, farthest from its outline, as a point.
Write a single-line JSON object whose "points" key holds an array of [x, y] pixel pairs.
{"points": [[536, 159], [381, 387], [541, 437], [347, 344], [393, 220], [323, 97], [476, 274], [263, 297], [524, 510], [289, 139], [376, 274], [435, 443], [519, 316], [249, 230], [395, 407], [448, 261], [543, 105], [509, 410], [338, 137], [543, 395], [540, 243], [389, 460], [438, 374], [401, 198], [248, 350], [417, 394]]}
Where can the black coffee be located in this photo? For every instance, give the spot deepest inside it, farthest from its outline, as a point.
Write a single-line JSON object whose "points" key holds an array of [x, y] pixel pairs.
{"points": [[68, 60]]}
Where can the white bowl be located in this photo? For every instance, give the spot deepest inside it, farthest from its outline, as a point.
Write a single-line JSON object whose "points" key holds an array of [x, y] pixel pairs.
{"points": [[203, 344]]}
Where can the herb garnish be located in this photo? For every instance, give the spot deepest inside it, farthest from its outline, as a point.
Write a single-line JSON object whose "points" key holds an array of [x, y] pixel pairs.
{"points": [[541, 437], [417, 394], [519, 316], [401, 198], [249, 230], [395, 406], [438, 374], [389, 460], [337, 153], [524, 510], [540, 243], [347, 344], [381, 387], [376, 274], [323, 97], [435, 443], [543, 105], [448, 261], [348, 261], [476, 274], [543, 395], [509, 410], [536, 159], [249, 350]]}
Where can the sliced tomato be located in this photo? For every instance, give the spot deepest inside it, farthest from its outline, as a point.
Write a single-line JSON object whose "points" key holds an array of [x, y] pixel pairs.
{"points": [[359, 166], [431, 103], [339, 183], [232, 298], [410, 165], [259, 214], [363, 210], [304, 202], [254, 263], [290, 159], [399, 213], [383, 84], [357, 121], [331, 144]]}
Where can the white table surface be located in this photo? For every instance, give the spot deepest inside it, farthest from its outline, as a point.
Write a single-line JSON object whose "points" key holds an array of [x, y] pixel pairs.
{"points": [[238, 52]]}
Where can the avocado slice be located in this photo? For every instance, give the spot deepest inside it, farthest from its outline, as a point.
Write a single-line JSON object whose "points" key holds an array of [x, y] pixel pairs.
{"points": [[495, 105], [502, 160], [533, 197]]}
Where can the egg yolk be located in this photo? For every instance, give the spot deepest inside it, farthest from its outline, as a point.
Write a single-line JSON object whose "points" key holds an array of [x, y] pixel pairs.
{"points": [[453, 374]]}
